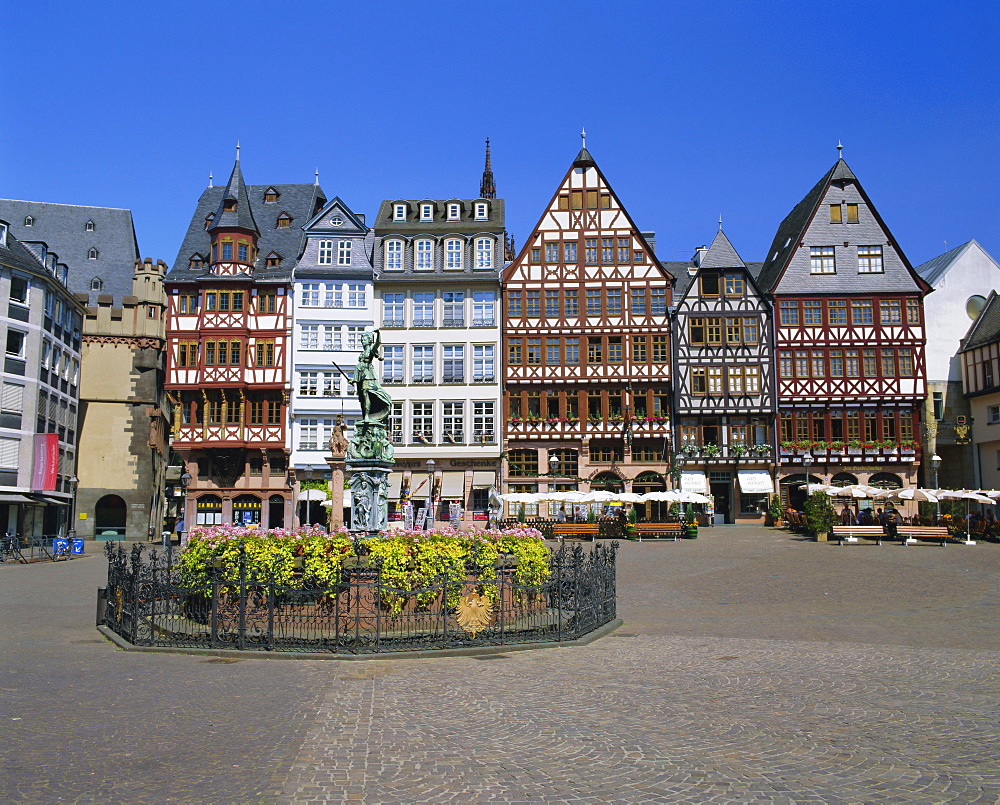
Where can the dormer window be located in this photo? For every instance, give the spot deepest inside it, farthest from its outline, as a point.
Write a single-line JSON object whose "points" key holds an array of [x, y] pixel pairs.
{"points": [[482, 211], [92, 253], [399, 212], [394, 255], [454, 212], [273, 260], [284, 221], [89, 226], [96, 284], [208, 219], [3, 234], [229, 205], [29, 221], [325, 257], [270, 195], [426, 212], [195, 261]]}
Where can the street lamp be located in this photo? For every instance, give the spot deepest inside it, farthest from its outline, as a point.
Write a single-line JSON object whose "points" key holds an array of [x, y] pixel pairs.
{"points": [[72, 507], [935, 466], [430, 490], [185, 480]]}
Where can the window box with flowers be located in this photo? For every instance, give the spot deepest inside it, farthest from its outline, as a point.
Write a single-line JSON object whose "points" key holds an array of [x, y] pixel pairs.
{"points": [[838, 446], [712, 450], [854, 447], [762, 449], [820, 446], [871, 447], [890, 448], [514, 420], [553, 421], [690, 450], [594, 421], [907, 446], [616, 419], [739, 450], [787, 448]]}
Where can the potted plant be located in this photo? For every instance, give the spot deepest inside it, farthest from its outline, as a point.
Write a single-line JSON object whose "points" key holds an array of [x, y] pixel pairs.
{"points": [[689, 449], [775, 511], [820, 446], [690, 525], [762, 449], [787, 448], [837, 446], [712, 450], [854, 447], [594, 420], [820, 515], [739, 449], [630, 518], [907, 445]]}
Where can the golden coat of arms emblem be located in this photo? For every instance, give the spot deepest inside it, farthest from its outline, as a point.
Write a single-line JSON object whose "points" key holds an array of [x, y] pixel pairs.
{"points": [[474, 613]]}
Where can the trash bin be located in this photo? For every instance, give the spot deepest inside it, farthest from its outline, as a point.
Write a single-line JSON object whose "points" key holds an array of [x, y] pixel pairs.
{"points": [[691, 531]]}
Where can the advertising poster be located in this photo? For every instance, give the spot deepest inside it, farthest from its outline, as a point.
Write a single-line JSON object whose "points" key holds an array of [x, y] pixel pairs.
{"points": [[46, 468], [408, 514]]}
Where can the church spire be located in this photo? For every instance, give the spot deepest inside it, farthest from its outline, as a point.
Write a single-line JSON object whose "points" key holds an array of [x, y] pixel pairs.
{"points": [[487, 188]]}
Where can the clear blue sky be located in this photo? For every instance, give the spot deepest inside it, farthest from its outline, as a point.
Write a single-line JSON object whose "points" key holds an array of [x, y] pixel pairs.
{"points": [[693, 110]]}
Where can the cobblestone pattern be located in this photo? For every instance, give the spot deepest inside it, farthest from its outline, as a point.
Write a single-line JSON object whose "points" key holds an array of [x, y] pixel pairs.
{"points": [[752, 667]]}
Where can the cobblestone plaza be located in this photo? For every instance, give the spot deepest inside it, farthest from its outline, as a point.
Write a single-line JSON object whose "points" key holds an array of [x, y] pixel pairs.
{"points": [[752, 666]]}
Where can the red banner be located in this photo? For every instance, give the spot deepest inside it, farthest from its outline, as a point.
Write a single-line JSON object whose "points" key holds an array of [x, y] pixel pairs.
{"points": [[46, 470]]}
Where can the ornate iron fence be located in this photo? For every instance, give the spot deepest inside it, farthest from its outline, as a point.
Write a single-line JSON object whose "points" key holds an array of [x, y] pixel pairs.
{"points": [[245, 608]]}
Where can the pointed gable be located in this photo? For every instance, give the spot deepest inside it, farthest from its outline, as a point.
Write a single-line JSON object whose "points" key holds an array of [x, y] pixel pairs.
{"points": [[986, 328], [835, 241], [234, 211], [334, 218], [721, 254], [596, 237]]}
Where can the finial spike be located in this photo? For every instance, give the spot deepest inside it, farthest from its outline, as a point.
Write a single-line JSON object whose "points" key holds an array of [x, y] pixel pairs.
{"points": [[237, 150], [583, 136], [840, 150], [316, 182], [487, 187], [210, 177], [720, 221]]}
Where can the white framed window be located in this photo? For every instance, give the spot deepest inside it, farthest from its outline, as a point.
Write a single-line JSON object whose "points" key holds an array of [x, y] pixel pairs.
{"points": [[483, 367], [821, 260], [453, 422], [354, 337], [308, 384], [47, 354], [394, 255], [16, 341], [424, 260], [310, 294], [422, 422], [993, 415], [454, 211], [454, 308], [331, 337], [483, 308], [343, 252], [308, 434], [483, 422], [357, 296], [396, 424], [19, 289], [426, 212], [325, 257], [89, 226], [398, 212], [482, 211], [333, 295], [392, 365], [96, 284], [309, 336], [870, 260], [423, 309], [29, 221], [484, 253], [453, 363], [329, 384], [92, 253], [3, 234], [392, 310], [453, 253], [423, 363]]}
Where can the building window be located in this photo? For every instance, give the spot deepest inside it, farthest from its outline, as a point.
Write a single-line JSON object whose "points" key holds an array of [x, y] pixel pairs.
{"points": [[325, 253], [484, 253], [552, 304], [552, 252], [92, 253], [425, 255], [426, 212], [422, 422], [534, 351], [624, 249], [394, 255], [309, 337], [892, 311], [483, 304], [536, 255], [836, 311], [658, 302], [534, 304], [392, 310], [357, 296], [607, 250], [392, 365], [454, 212], [514, 303], [309, 384], [454, 308], [423, 309], [453, 422], [423, 364], [482, 211], [993, 414], [354, 333], [595, 350], [453, 364], [569, 252], [399, 212], [514, 351], [29, 221], [267, 302], [593, 301], [284, 221], [905, 358], [852, 368], [590, 250], [343, 252], [522, 461], [836, 214], [187, 354], [639, 354], [789, 312], [852, 213], [614, 301], [638, 301], [870, 260], [264, 353], [661, 348], [861, 311], [571, 303], [836, 357], [396, 423], [913, 311], [812, 312], [19, 289], [15, 343], [483, 422], [572, 346], [270, 195], [453, 253], [483, 370], [821, 260]]}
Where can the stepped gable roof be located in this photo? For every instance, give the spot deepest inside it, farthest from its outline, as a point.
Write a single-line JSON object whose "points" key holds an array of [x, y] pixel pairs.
{"points": [[299, 201], [721, 254], [63, 229], [934, 270], [240, 215], [986, 328]]}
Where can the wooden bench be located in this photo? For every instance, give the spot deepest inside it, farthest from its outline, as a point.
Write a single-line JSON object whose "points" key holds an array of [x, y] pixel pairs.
{"points": [[915, 532], [658, 530], [851, 533], [561, 531]]}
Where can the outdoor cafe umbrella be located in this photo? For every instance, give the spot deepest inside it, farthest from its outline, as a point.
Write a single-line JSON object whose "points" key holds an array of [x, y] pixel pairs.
{"points": [[853, 491], [668, 496], [911, 493], [521, 497], [631, 497]]}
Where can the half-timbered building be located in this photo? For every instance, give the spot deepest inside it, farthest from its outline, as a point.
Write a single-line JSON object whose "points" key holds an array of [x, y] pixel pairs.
{"points": [[724, 397], [587, 337], [333, 304], [849, 341], [228, 331], [437, 282], [980, 369]]}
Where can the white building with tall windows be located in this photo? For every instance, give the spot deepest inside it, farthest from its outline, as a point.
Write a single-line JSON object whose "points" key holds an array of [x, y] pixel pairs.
{"points": [[333, 304], [437, 285]]}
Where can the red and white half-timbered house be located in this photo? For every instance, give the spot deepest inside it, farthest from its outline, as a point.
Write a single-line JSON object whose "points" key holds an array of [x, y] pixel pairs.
{"points": [[724, 395], [587, 337], [849, 342], [228, 331]]}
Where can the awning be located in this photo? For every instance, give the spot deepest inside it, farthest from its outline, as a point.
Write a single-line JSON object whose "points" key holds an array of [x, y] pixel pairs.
{"points": [[483, 479], [50, 500], [694, 481], [452, 485], [395, 484], [755, 481], [313, 494], [12, 499]]}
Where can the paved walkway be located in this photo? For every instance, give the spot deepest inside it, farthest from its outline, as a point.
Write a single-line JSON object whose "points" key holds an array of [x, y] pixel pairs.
{"points": [[752, 667]]}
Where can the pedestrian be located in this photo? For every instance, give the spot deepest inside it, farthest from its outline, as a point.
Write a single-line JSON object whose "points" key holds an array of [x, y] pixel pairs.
{"points": [[561, 514], [890, 523]]}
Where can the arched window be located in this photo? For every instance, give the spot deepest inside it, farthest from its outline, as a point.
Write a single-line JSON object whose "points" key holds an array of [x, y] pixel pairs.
{"points": [[607, 482], [424, 259], [246, 510], [453, 253], [484, 253], [843, 479], [649, 482], [96, 284], [89, 226], [394, 255], [109, 517], [92, 253], [29, 221], [886, 480], [276, 511], [208, 510]]}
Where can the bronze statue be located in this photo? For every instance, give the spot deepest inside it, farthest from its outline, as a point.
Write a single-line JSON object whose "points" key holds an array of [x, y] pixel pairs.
{"points": [[376, 405]]}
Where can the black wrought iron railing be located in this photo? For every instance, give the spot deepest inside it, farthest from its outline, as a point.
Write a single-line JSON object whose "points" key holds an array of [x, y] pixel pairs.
{"points": [[148, 603]]}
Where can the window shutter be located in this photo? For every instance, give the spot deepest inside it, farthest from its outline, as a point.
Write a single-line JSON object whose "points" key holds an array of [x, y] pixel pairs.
{"points": [[12, 399], [9, 449]]}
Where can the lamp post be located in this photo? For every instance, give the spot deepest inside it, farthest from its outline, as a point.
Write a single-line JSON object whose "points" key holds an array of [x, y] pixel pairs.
{"points": [[185, 480], [553, 472], [935, 466], [71, 531], [431, 464]]}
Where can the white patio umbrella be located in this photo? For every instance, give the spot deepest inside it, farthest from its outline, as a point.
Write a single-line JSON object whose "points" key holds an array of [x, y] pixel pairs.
{"points": [[961, 494], [630, 497], [598, 496], [692, 497], [521, 497], [811, 488], [911, 493], [856, 491], [668, 496], [563, 497]]}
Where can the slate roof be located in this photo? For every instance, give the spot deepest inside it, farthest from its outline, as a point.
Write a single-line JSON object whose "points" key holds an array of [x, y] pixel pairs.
{"points": [[678, 269], [933, 270], [299, 201], [721, 254], [63, 229], [242, 215], [986, 328], [384, 224], [15, 255]]}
